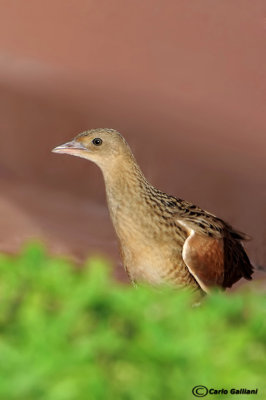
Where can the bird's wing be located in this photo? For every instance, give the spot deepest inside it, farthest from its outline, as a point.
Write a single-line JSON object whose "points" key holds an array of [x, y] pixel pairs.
{"points": [[204, 222], [204, 258], [213, 251]]}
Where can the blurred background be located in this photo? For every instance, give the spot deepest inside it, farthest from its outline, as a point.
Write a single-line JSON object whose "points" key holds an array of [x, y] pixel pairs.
{"points": [[183, 81]]}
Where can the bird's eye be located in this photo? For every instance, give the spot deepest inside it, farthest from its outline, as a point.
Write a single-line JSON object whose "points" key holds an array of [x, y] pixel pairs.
{"points": [[97, 141]]}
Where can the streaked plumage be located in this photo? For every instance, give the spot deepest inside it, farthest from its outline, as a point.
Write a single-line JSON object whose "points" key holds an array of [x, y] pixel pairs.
{"points": [[163, 239]]}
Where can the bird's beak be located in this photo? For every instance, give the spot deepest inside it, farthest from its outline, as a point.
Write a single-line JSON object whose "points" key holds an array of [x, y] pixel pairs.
{"points": [[73, 148]]}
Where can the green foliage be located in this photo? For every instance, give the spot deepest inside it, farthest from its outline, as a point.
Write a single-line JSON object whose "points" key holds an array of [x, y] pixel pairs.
{"points": [[69, 333]]}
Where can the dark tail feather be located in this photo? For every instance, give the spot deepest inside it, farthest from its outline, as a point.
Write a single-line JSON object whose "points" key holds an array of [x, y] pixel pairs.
{"points": [[236, 261], [247, 267]]}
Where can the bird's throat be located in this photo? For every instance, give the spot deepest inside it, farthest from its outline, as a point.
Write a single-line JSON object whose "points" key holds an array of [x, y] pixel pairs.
{"points": [[126, 188]]}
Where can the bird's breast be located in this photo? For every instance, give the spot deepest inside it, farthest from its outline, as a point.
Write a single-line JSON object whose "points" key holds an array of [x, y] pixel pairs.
{"points": [[151, 253], [151, 242]]}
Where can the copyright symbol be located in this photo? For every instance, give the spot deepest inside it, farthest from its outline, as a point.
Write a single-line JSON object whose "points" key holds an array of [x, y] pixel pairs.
{"points": [[200, 391]]}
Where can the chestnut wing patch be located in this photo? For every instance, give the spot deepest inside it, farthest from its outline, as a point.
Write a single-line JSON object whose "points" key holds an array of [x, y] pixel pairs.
{"points": [[204, 257]]}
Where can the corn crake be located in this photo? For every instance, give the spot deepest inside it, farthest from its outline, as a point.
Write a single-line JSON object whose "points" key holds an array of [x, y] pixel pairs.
{"points": [[163, 239]]}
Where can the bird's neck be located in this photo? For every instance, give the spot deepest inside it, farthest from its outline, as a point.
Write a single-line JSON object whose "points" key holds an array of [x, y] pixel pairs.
{"points": [[124, 179], [126, 188]]}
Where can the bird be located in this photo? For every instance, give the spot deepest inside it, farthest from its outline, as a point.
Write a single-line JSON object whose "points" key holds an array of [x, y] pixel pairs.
{"points": [[163, 239]]}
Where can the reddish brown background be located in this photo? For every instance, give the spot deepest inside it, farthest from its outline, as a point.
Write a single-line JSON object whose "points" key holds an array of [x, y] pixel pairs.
{"points": [[184, 81]]}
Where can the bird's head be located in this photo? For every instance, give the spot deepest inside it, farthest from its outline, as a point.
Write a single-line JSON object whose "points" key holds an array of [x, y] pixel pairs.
{"points": [[102, 146]]}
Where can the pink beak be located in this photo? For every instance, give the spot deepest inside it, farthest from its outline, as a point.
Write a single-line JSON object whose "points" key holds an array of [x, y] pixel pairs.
{"points": [[69, 148]]}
